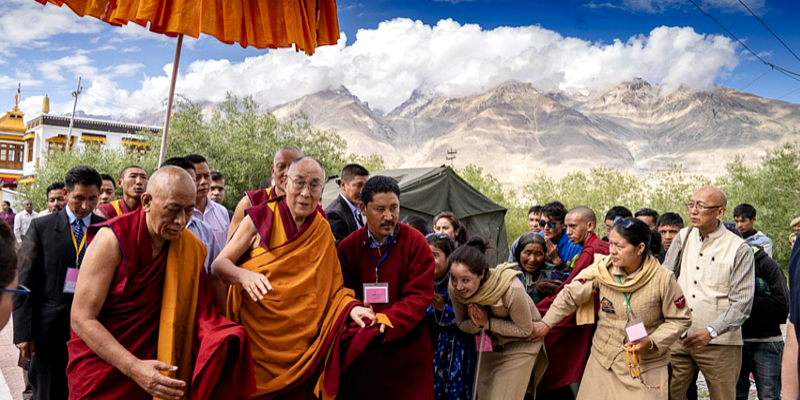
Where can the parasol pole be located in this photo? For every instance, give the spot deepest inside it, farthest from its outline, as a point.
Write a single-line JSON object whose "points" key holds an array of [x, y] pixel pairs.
{"points": [[478, 365], [171, 97]]}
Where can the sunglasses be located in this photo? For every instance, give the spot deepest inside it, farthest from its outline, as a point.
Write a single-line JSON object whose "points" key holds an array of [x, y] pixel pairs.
{"points": [[19, 290], [626, 222], [440, 236], [551, 224]]}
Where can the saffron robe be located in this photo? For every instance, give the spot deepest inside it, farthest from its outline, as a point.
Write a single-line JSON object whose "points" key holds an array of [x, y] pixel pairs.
{"points": [[297, 329], [162, 309], [398, 365], [116, 208], [568, 345]]}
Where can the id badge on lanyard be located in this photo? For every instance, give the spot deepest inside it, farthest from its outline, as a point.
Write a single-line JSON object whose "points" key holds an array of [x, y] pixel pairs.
{"points": [[634, 328], [378, 292], [72, 273]]}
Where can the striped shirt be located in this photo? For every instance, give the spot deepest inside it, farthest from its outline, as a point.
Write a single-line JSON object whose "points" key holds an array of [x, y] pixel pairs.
{"points": [[742, 284]]}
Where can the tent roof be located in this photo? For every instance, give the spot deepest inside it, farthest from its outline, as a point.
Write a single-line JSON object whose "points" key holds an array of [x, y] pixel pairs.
{"points": [[416, 185]]}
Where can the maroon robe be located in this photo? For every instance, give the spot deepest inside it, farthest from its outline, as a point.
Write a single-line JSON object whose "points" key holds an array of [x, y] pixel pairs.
{"points": [[399, 364], [223, 367], [260, 196], [568, 345], [111, 212]]}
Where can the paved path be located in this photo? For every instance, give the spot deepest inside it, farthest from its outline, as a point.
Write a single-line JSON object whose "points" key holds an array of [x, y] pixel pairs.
{"points": [[9, 355]]}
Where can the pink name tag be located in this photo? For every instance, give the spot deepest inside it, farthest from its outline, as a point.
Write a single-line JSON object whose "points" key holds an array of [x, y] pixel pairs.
{"points": [[484, 346], [636, 331], [71, 280], [376, 293]]}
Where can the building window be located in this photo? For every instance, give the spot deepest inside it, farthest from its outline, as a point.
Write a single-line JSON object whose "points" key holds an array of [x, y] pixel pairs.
{"points": [[11, 156], [29, 143]]}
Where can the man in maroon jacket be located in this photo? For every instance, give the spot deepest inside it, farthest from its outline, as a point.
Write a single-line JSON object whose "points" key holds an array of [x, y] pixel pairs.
{"points": [[390, 266], [567, 344]]}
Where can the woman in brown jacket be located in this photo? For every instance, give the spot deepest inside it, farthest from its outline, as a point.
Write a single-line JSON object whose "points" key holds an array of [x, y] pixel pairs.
{"points": [[642, 313], [495, 301]]}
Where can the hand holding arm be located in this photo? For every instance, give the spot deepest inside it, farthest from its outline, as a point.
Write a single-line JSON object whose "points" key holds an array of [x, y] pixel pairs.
{"points": [[256, 285]]}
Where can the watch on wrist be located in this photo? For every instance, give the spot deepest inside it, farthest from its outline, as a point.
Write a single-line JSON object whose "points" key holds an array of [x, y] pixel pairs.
{"points": [[712, 332]]}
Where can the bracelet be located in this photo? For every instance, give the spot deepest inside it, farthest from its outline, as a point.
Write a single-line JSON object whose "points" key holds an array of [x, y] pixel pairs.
{"points": [[652, 344]]}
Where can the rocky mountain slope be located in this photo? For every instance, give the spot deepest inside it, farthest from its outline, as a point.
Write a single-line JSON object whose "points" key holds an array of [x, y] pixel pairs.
{"points": [[515, 130]]}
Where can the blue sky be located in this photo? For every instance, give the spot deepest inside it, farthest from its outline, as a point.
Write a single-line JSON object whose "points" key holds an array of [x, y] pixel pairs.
{"points": [[566, 44]]}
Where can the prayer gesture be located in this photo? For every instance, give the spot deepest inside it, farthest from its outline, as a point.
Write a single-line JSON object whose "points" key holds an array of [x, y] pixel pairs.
{"points": [[552, 252], [256, 285], [358, 314], [478, 315], [146, 373], [438, 302], [540, 330]]}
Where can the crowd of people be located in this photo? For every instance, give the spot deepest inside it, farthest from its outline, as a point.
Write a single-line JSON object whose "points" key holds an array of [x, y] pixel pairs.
{"points": [[165, 293]]}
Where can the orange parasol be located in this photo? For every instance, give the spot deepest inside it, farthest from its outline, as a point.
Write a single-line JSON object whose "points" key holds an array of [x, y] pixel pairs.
{"points": [[262, 24]]}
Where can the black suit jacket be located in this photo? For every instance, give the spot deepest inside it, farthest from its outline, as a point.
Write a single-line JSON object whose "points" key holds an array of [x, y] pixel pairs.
{"points": [[47, 252], [342, 220]]}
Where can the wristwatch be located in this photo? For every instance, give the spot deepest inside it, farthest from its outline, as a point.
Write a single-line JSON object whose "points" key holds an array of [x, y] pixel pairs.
{"points": [[712, 332]]}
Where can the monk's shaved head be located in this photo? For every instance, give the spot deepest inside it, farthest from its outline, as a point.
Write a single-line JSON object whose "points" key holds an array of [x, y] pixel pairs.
{"points": [[714, 195], [170, 179], [287, 154], [585, 214]]}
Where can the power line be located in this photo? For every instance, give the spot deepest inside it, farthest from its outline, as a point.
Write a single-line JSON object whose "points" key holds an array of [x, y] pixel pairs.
{"points": [[754, 80], [788, 73], [792, 92], [770, 30]]}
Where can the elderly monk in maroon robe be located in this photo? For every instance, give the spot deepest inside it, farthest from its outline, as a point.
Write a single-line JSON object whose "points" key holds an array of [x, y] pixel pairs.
{"points": [[280, 165], [132, 180], [391, 266], [288, 292], [144, 321]]}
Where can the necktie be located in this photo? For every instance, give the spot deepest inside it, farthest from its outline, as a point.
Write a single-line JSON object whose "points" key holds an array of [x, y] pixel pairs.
{"points": [[359, 221], [77, 230]]}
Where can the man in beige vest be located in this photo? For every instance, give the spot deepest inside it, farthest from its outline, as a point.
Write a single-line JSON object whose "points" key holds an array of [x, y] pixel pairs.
{"points": [[716, 271]]}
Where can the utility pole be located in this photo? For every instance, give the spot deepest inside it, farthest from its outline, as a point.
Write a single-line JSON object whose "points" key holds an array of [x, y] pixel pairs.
{"points": [[75, 94], [451, 156]]}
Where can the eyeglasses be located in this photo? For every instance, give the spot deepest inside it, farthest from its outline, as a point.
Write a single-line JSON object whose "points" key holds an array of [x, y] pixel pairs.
{"points": [[440, 236], [626, 222], [699, 207], [313, 187], [543, 223], [19, 290]]}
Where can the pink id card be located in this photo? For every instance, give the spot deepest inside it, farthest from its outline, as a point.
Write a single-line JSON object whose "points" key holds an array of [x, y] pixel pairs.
{"points": [[376, 293], [71, 280]]}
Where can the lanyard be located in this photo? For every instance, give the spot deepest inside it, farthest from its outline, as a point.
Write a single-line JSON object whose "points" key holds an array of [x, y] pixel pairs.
{"points": [[78, 249], [627, 297], [383, 258]]}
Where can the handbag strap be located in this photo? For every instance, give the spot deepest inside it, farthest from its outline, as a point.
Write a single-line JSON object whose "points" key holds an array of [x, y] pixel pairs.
{"points": [[679, 262]]}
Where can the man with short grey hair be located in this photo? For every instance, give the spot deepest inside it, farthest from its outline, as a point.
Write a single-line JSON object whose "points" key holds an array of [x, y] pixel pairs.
{"points": [[716, 271], [22, 221]]}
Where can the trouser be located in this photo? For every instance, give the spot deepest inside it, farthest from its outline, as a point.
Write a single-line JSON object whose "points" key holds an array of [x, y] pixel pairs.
{"points": [[504, 376], [763, 360], [720, 365], [48, 373]]}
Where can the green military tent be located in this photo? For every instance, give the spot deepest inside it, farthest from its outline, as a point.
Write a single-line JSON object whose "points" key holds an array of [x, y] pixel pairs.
{"points": [[428, 191]]}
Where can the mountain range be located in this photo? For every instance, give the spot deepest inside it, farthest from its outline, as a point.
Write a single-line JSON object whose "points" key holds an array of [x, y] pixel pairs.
{"points": [[515, 130]]}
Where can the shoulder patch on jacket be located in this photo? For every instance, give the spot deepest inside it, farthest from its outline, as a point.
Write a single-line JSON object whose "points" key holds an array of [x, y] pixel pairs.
{"points": [[582, 281], [680, 302]]}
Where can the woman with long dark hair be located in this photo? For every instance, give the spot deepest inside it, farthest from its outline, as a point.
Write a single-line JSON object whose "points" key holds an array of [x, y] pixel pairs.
{"points": [[448, 223], [642, 313], [7, 214], [493, 304]]}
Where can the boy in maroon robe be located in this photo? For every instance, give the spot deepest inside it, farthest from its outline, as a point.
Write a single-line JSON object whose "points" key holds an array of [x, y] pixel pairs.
{"points": [[132, 180], [568, 345], [392, 265], [143, 306]]}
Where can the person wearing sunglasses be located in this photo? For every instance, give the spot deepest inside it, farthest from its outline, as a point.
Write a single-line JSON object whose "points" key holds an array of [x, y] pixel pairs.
{"points": [[642, 313], [716, 269], [560, 249]]}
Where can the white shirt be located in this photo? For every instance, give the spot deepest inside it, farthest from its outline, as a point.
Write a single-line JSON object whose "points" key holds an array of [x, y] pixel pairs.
{"points": [[206, 235], [22, 221], [217, 217], [354, 210]]}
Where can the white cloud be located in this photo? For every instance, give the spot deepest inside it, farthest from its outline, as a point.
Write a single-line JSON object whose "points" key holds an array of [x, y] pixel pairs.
{"points": [[40, 23], [77, 65], [384, 65]]}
